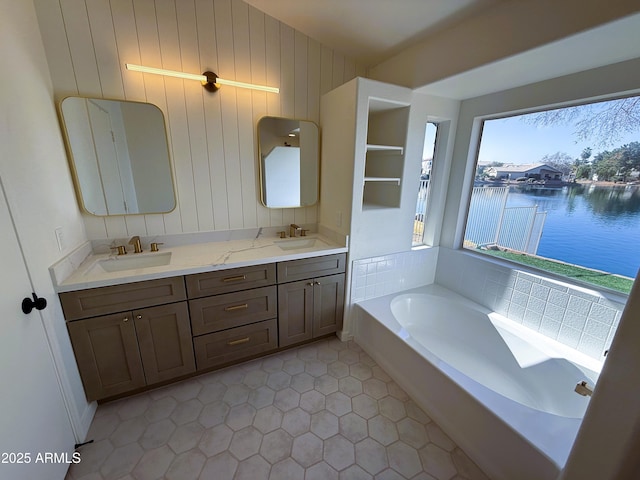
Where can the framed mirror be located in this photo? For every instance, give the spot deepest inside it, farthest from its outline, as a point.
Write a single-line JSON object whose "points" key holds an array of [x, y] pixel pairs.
{"points": [[119, 156], [288, 152]]}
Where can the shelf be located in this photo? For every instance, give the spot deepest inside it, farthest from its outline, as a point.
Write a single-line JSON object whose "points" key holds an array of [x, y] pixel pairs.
{"points": [[382, 179], [384, 148], [369, 207]]}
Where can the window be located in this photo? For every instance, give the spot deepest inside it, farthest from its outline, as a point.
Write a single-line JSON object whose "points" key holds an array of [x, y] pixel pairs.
{"points": [[559, 190], [428, 154]]}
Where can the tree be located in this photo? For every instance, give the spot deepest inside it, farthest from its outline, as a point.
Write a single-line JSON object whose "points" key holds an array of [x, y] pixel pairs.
{"points": [[605, 166], [582, 165], [583, 171], [603, 123], [585, 155], [628, 158], [618, 163], [559, 160]]}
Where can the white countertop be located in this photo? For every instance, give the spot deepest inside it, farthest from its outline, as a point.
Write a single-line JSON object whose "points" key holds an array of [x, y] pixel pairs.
{"points": [[196, 258]]}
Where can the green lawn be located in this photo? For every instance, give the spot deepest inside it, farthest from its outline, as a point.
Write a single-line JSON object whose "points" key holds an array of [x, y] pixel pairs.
{"points": [[595, 277]]}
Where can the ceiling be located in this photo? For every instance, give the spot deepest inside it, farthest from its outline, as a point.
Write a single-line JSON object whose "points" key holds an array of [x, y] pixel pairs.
{"points": [[369, 31], [607, 44]]}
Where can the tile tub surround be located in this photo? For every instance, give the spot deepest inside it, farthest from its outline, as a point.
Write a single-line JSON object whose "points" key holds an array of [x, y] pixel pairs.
{"points": [[321, 411], [580, 318], [378, 276]]}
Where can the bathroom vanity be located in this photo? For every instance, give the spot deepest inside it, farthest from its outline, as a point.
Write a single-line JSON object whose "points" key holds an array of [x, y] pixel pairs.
{"points": [[130, 329]]}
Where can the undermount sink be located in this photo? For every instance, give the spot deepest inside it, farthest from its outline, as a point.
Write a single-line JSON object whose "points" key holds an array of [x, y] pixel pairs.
{"points": [[296, 243], [134, 261]]}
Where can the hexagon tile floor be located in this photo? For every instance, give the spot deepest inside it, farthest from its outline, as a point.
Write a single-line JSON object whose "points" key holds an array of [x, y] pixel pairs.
{"points": [[321, 411]]}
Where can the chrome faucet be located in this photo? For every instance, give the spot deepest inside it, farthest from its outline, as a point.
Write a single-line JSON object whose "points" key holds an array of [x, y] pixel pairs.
{"points": [[293, 228], [583, 389], [135, 241]]}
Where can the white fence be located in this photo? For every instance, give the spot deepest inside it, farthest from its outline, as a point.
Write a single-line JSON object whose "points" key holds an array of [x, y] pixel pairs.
{"points": [[421, 212], [491, 222]]}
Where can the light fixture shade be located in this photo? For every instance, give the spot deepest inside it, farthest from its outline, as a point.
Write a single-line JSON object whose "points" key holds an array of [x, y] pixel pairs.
{"points": [[166, 73], [208, 79], [252, 86]]}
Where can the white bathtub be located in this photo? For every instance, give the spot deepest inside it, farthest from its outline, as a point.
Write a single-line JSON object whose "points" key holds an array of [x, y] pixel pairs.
{"points": [[503, 392]]}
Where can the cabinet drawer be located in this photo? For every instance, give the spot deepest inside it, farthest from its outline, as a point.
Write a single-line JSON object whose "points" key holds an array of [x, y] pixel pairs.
{"points": [[220, 312], [230, 345], [311, 267], [119, 298], [230, 280]]}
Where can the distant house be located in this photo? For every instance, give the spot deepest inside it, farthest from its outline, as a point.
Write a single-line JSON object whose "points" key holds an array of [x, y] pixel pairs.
{"points": [[536, 171]]}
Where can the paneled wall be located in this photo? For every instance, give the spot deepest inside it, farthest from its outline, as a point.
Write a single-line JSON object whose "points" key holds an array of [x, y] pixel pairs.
{"points": [[212, 136]]}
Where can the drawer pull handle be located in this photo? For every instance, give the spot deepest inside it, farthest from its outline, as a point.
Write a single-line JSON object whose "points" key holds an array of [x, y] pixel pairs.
{"points": [[125, 319], [236, 307], [238, 342], [235, 279]]}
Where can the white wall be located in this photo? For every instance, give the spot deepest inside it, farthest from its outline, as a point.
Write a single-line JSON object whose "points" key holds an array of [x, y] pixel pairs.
{"points": [[608, 440], [598, 438], [380, 243], [147, 160], [212, 136], [34, 169], [500, 32]]}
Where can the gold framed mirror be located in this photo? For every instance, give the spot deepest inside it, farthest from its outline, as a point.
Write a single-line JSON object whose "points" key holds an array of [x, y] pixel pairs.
{"points": [[119, 156], [288, 158]]}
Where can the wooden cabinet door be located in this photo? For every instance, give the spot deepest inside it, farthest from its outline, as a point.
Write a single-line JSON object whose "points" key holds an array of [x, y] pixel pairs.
{"points": [[106, 350], [164, 337], [295, 312], [328, 304]]}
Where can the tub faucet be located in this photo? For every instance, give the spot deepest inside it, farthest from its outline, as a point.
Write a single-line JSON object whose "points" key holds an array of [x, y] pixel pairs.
{"points": [[293, 228], [135, 241], [583, 389]]}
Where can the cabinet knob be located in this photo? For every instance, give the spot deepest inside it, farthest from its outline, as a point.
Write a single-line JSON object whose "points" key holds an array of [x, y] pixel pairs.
{"points": [[310, 284], [38, 303], [125, 319], [139, 317]]}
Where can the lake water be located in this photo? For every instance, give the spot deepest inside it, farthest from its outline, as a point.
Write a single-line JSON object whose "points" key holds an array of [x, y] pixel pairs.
{"points": [[592, 226]]}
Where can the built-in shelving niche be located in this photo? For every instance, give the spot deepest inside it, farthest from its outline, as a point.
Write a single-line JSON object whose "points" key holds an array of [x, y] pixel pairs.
{"points": [[386, 137]]}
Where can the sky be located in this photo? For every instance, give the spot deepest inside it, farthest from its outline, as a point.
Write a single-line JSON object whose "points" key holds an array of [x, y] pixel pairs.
{"points": [[511, 140]]}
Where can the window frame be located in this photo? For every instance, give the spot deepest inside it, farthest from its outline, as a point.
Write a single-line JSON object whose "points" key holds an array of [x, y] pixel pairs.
{"points": [[467, 192], [429, 189]]}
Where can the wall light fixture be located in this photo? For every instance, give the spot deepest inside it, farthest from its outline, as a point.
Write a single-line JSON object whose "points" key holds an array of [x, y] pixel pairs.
{"points": [[210, 81]]}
